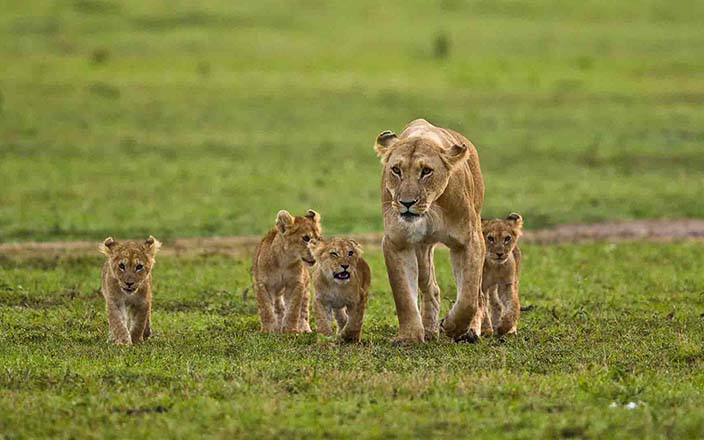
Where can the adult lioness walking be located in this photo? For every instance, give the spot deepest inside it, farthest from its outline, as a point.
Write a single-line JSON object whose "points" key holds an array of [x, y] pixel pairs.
{"points": [[431, 192]]}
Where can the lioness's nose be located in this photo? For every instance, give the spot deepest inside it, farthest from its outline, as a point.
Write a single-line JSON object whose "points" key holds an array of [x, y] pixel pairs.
{"points": [[499, 254], [345, 266], [129, 284], [407, 204]]}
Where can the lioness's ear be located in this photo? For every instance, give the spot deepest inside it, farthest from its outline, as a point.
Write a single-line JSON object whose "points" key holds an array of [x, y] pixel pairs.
{"points": [[313, 215], [106, 246], [516, 219], [283, 220], [456, 154], [383, 142], [152, 245]]}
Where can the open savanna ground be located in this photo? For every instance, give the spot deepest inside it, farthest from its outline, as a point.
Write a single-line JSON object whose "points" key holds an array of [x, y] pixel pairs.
{"points": [[197, 118], [609, 324]]}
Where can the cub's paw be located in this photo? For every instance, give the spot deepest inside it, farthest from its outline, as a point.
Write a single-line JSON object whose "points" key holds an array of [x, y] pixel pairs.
{"points": [[471, 337]]}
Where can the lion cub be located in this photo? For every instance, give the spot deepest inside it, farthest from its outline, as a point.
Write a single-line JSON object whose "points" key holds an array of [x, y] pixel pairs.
{"points": [[341, 281], [501, 271], [127, 288], [279, 276]]}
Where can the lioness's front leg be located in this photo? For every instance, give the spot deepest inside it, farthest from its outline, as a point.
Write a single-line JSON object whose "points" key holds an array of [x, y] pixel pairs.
{"points": [[430, 292], [293, 298], [352, 331], [118, 326], [140, 314], [467, 268], [402, 270]]}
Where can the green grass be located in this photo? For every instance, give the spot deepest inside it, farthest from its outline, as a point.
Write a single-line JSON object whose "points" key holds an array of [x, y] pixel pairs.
{"points": [[200, 118], [599, 333]]}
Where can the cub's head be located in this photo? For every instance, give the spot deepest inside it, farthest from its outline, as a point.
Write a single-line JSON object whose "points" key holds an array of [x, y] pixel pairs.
{"points": [[501, 236], [416, 172], [337, 257], [131, 262], [297, 232]]}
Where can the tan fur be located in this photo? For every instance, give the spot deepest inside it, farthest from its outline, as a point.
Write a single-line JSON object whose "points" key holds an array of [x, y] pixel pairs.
{"points": [[127, 287], [347, 298], [279, 274], [500, 276], [437, 169]]}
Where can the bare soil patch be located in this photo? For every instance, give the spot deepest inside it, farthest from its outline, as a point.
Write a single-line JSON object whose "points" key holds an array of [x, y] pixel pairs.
{"points": [[651, 229]]}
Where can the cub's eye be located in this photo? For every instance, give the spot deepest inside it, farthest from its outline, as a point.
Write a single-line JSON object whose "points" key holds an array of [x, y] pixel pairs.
{"points": [[396, 170], [350, 253], [507, 239], [139, 267], [121, 266], [306, 238], [334, 254], [490, 238], [425, 172]]}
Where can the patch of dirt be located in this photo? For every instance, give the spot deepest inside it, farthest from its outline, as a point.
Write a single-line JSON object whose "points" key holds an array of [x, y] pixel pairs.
{"points": [[652, 230]]}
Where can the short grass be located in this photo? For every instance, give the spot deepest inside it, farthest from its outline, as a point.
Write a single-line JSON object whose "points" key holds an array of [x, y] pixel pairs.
{"points": [[198, 118], [611, 324]]}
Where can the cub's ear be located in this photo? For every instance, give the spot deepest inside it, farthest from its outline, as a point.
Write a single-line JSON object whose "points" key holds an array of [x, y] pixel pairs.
{"points": [[516, 219], [106, 246], [313, 215], [316, 243], [152, 245], [456, 155], [383, 142], [357, 247], [284, 220]]}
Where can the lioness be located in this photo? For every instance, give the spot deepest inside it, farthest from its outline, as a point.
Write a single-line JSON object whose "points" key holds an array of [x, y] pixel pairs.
{"points": [[501, 271], [127, 288], [341, 281], [431, 192], [279, 276]]}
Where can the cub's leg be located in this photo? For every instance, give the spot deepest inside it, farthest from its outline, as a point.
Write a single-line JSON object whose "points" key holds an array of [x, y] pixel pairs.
{"points": [[265, 306], [148, 327], [340, 318], [485, 306], [495, 306], [430, 292], [352, 331], [293, 298], [279, 310], [139, 316], [304, 325], [322, 318], [508, 294], [116, 321]]}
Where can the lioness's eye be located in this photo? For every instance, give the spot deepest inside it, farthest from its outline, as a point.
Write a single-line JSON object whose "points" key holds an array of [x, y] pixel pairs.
{"points": [[350, 253], [139, 267], [507, 239], [396, 171], [334, 254], [121, 266], [306, 238], [425, 172]]}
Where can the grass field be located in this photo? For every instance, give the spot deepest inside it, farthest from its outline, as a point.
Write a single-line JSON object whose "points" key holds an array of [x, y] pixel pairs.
{"points": [[200, 118], [599, 333], [182, 118]]}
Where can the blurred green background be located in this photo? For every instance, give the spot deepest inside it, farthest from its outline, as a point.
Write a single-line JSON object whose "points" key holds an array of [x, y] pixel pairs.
{"points": [[204, 118]]}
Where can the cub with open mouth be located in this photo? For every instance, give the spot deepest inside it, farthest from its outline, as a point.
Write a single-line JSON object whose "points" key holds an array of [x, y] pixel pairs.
{"points": [[127, 287], [280, 275], [341, 281]]}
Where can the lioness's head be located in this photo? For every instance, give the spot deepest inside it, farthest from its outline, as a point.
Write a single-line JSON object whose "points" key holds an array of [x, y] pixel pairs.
{"points": [[130, 261], [297, 232], [337, 257], [501, 236], [416, 171]]}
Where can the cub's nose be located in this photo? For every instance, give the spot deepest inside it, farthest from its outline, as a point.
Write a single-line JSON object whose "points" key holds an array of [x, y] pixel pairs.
{"points": [[129, 284], [407, 204], [345, 266], [499, 254]]}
